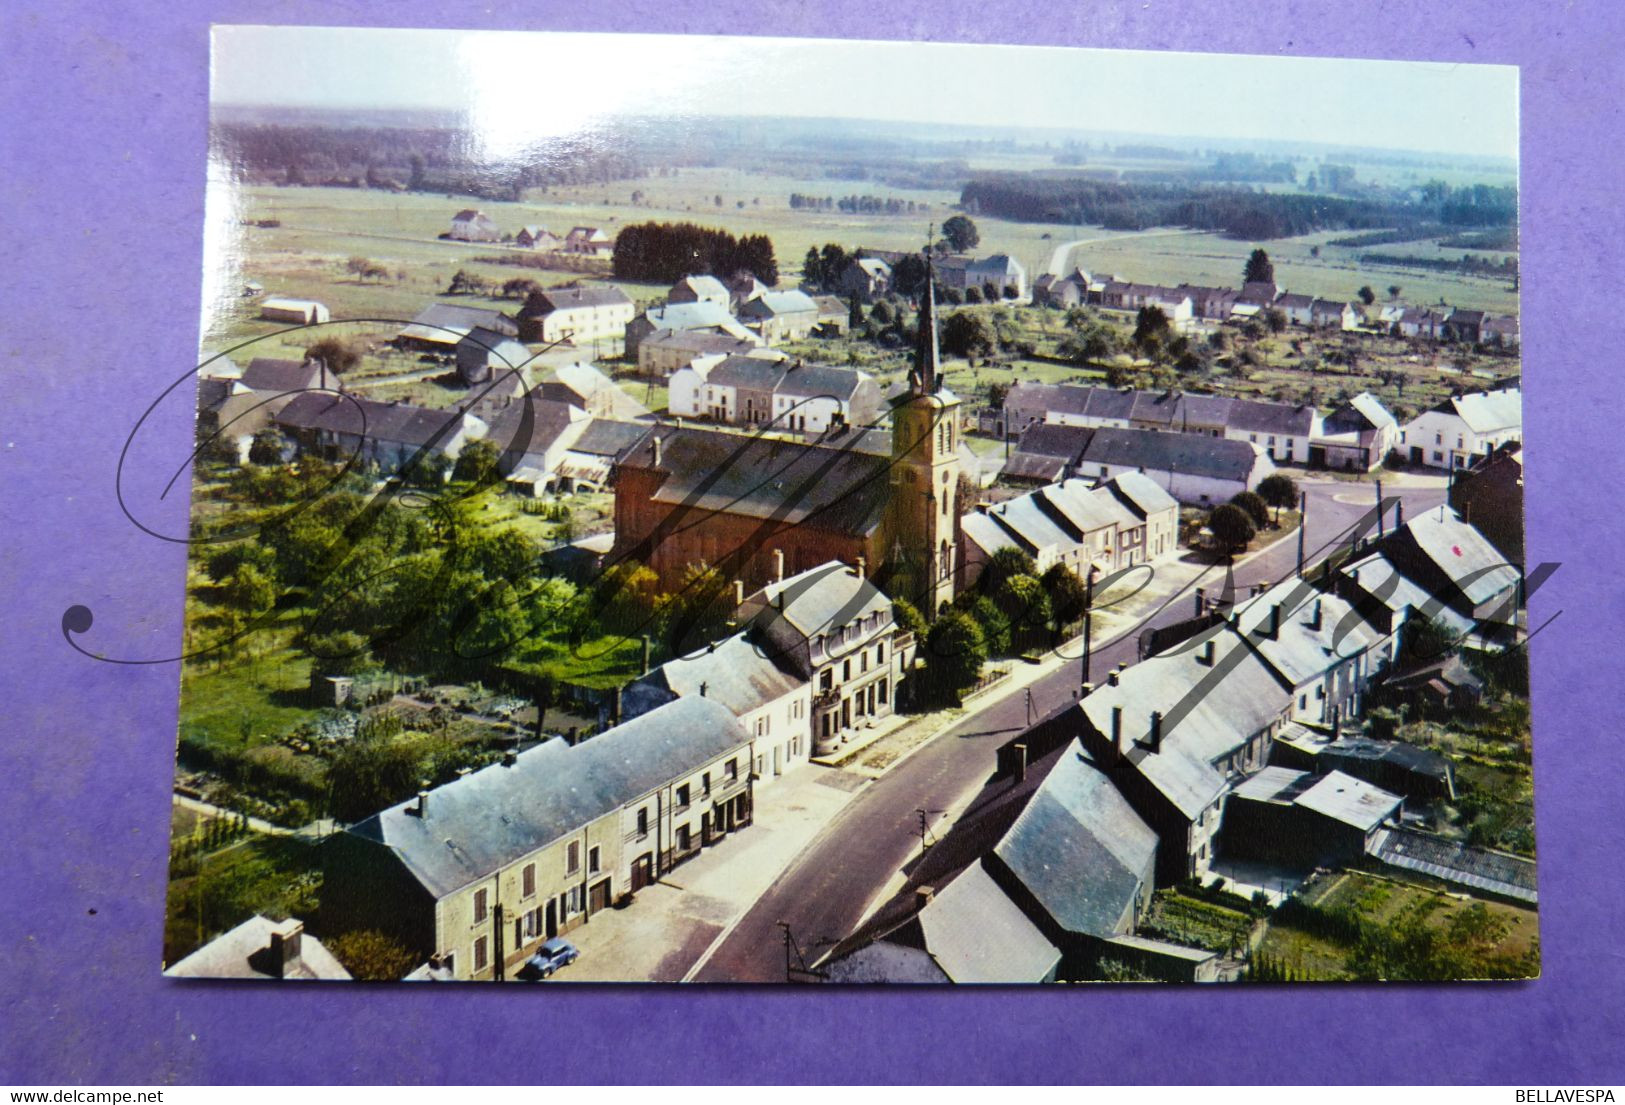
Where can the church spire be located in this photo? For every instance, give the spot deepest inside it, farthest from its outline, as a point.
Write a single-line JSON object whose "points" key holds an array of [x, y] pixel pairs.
{"points": [[926, 376]]}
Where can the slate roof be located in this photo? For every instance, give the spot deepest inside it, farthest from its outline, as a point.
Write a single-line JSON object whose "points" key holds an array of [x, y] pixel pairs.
{"points": [[771, 304], [885, 961], [1080, 849], [1086, 509], [1462, 553], [270, 374], [549, 418], [1300, 651], [394, 422], [758, 477], [1351, 801], [608, 437], [502, 351], [1143, 495], [735, 672], [1487, 411], [1189, 454], [579, 295], [1023, 522], [1257, 416], [821, 599], [484, 821], [810, 380], [448, 323], [741, 371], [701, 315], [702, 286], [1052, 439], [1377, 575], [244, 952], [978, 935], [696, 341]]}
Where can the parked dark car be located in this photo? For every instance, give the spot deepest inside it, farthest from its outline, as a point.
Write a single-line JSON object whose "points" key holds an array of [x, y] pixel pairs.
{"points": [[554, 954]]}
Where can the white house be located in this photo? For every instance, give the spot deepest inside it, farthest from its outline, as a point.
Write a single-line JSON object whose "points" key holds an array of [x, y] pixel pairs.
{"points": [[813, 399], [1464, 429], [579, 312], [690, 393], [469, 225], [700, 289], [587, 239]]}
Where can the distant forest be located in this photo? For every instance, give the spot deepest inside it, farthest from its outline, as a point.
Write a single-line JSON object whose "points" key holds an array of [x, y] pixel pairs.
{"points": [[426, 159], [1236, 212]]}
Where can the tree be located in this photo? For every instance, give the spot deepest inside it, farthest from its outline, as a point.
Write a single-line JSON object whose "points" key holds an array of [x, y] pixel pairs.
{"points": [[250, 590], [1367, 296], [266, 447], [960, 234], [1394, 290], [1275, 319], [478, 463], [1151, 328], [338, 354], [954, 653], [1068, 594], [414, 182], [1022, 600], [1255, 506], [966, 335], [1279, 491], [1005, 563], [1259, 269], [1231, 527], [908, 275], [369, 775], [371, 956], [812, 268], [908, 619]]}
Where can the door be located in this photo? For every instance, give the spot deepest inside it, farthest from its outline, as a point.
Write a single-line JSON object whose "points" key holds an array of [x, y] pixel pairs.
{"points": [[642, 869], [552, 918], [598, 897], [1416, 454]]}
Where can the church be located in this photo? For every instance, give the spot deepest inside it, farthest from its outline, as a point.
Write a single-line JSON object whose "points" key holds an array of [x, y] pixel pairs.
{"points": [[759, 508]]}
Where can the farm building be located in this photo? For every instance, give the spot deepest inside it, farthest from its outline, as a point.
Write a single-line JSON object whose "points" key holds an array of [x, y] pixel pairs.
{"points": [[306, 311], [469, 225], [1297, 819]]}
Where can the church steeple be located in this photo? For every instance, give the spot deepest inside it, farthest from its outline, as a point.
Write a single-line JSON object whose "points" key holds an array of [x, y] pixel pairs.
{"points": [[926, 375], [923, 527]]}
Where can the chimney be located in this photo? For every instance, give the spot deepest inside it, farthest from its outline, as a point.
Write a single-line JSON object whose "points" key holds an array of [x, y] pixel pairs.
{"points": [[703, 686], [648, 653], [286, 939], [1399, 514], [1337, 723], [1205, 657], [739, 593], [461, 771], [1112, 678], [923, 896], [1018, 755], [1275, 621], [863, 567], [1314, 620], [1087, 690], [422, 807], [778, 565], [1156, 730], [1117, 733], [654, 448], [1201, 600], [509, 757]]}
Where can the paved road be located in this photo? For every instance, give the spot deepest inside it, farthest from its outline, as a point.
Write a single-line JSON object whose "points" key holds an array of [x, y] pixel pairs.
{"points": [[1057, 259], [832, 884]]}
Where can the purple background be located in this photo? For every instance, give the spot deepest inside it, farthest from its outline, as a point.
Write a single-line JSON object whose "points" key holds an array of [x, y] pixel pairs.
{"points": [[102, 145]]}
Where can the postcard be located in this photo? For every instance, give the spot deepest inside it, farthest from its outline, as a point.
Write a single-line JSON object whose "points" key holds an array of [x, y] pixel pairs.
{"points": [[693, 509]]}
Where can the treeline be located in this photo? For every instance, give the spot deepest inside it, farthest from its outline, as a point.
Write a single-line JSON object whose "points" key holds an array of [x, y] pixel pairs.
{"points": [[660, 253], [1235, 212], [855, 205], [429, 159], [1467, 264]]}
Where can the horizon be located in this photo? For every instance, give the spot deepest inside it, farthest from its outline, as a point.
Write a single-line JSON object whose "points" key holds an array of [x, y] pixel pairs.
{"points": [[487, 78]]}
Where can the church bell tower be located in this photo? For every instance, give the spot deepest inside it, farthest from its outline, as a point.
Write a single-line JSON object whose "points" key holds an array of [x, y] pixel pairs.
{"points": [[925, 473]]}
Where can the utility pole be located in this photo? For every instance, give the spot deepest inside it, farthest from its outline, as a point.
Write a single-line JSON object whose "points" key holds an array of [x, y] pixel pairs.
{"points": [[1303, 526], [1029, 706], [1379, 508], [1088, 621]]}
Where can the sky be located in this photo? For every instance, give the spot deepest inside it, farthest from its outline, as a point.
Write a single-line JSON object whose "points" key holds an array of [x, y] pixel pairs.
{"points": [[521, 87]]}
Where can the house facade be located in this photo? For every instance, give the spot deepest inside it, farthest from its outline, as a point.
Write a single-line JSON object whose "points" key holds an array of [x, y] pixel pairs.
{"points": [[578, 313], [469, 225], [1464, 430]]}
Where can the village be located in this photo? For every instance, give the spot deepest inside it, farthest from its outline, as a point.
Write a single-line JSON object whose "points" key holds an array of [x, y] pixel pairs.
{"points": [[914, 618]]}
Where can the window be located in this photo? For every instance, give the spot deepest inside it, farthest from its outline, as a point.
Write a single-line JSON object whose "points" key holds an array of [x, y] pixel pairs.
{"points": [[572, 861], [682, 797], [527, 880], [863, 661], [705, 784], [480, 954], [846, 669], [826, 679], [1438, 439], [880, 653], [683, 838], [733, 770], [1303, 702], [881, 687], [643, 822], [593, 860], [479, 906]]}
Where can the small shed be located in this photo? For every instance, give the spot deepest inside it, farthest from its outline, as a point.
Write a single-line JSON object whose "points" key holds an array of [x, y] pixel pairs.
{"points": [[306, 311]]}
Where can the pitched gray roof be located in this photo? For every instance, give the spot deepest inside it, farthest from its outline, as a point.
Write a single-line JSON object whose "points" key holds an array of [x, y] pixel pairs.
{"points": [[1080, 849], [1304, 647], [760, 477], [449, 322], [580, 295], [811, 380], [244, 952], [736, 672], [1462, 554], [822, 599], [1259, 416], [399, 423], [741, 371], [978, 935], [1190, 454], [484, 821]]}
